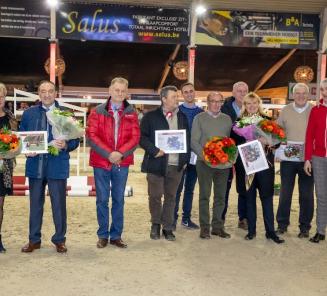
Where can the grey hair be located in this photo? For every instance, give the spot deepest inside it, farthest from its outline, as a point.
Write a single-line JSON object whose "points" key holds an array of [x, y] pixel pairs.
{"points": [[212, 93], [164, 91], [300, 85], [239, 83], [323, 83]]}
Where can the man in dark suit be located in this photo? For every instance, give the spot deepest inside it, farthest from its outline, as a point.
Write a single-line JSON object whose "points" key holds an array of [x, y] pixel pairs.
{"points": [[47, 169], [232, 107]]}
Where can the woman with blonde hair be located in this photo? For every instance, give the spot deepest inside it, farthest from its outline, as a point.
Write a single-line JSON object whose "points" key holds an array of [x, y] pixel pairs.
{"points": [[7, 165], [263, 181]]}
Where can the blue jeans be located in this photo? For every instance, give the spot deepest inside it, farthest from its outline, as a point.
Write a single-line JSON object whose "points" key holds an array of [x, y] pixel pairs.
{"points": [[110, 182], [188, 182]]}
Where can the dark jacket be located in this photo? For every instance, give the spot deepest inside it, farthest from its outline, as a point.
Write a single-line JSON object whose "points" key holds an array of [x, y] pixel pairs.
{"points": [[228, 108], [45, 165], [101, 134], [265, 178], [152, 121]]}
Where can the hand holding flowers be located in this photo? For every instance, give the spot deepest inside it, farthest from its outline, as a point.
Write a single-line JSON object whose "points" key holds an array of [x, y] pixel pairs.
{"points": [[220, 152]]}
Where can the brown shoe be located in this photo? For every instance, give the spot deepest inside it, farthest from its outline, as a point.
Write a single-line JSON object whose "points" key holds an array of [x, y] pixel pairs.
{"points": [[118, 243], [61, 248], [102, 243], [220, 232], [243, 224], [204, 233], [30, 247]]}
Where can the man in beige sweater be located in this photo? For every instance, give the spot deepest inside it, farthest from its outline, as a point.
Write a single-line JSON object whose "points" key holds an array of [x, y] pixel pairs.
{"points": [[205, 126], [294, 118]]}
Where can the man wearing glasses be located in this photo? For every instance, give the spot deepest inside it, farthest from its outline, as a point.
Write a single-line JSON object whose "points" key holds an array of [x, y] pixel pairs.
{"points": [[205, 126]]}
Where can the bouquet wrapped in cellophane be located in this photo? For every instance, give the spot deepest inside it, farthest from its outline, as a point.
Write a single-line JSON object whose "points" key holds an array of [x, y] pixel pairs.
{"points": [[255, 126], [220, 152], [246, 127], [10, 144], [64, 127], [273, 132]]}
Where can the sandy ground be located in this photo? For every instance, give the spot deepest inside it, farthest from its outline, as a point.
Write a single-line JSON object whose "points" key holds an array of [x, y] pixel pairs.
{"points": [[189, 266]]}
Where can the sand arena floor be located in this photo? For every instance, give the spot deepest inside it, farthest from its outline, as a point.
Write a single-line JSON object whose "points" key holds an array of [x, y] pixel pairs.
{"points": [[189, 266]]}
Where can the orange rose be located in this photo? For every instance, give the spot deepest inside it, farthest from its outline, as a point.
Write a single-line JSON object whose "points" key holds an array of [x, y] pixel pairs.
{"points": [[269, 128], [6, 139], [223, 158]]}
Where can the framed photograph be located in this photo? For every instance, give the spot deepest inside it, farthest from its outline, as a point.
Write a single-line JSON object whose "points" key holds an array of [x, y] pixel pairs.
{"points": [[34, 142], [253, 157], [171, 141], [292, 151]]}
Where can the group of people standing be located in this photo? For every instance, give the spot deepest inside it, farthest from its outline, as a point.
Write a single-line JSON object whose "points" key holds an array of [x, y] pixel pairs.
{"points": [[113, 133]]}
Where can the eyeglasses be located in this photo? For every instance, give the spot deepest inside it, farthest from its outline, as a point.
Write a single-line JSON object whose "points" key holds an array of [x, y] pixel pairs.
{"points": [[216, 102]]}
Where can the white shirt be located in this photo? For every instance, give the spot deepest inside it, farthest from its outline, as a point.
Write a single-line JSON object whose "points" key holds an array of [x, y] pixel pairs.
{"points": [[300, 109]]}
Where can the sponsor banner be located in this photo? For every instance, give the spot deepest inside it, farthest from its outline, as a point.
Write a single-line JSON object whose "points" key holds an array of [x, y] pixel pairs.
{"points": [[26, 19], [258, 29], [122, 23]]}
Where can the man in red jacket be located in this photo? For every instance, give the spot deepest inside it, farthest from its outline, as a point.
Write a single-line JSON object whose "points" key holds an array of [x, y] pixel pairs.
{"points": [[113, 134], [316, 159]]}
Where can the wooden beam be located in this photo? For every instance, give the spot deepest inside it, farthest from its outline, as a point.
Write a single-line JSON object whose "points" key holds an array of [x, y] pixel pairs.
{"points": [[273, 70], [168, 67]]}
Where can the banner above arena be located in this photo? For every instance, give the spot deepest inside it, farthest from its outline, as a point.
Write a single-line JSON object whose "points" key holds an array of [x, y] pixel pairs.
{"points": [[122, 23], [258, 29], [26, 19]]}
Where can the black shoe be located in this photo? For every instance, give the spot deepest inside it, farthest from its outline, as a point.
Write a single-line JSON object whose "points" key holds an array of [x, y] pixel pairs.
{"points": [[220, 232], [303, 234], [2, 248], [273, 236], [250, 236], [204, 233], [281, 230], [155, 231], [189, 224], [168, 234], [317, 238]]}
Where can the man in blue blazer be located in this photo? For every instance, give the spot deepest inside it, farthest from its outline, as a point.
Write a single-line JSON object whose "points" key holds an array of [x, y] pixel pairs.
{"points": [[46, 169]]}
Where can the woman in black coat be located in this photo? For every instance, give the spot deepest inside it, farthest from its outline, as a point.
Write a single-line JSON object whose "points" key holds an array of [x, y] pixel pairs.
{"points": [[263, 181], [6, 165]]}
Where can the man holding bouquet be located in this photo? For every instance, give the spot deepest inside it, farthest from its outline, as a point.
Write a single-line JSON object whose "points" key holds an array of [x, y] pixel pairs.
{"points": [[47, 169], [113, 133], [206, 125]]}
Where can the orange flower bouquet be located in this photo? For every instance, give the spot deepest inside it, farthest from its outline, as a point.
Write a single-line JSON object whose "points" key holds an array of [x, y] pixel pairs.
{"points": [[220, 152], [271, 131], [10, 144]]}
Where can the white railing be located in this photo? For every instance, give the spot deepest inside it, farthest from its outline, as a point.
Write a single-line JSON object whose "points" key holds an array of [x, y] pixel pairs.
{"points": [[30, 97]]}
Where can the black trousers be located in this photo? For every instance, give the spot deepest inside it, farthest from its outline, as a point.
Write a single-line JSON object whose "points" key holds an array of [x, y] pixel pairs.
{"points": [[288, 172], [264, 183]]}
